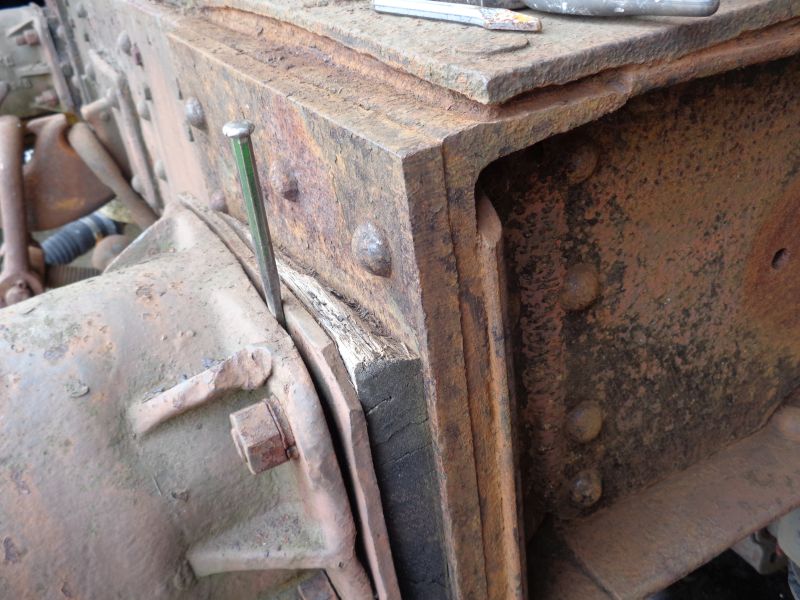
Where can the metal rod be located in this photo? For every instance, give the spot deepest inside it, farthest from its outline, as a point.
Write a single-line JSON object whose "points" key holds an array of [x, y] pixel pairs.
{"points": [[12, 211], [488, 18], [622, 8], [17, 282], [239, 132]]}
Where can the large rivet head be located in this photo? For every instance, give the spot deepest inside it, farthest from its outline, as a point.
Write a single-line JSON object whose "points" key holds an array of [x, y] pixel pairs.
{"points": [[195, 115], [581, 287], [371, 249], [124, 43], [581, 164], [585, 421], [586, 488]]}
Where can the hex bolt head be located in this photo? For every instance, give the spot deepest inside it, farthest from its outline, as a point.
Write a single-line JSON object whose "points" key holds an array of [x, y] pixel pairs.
{"points": [[194, 113], [581, 287], [585, 421], [586, 488], [370, 248], [283, 181], [258, 437], [124, 43]]}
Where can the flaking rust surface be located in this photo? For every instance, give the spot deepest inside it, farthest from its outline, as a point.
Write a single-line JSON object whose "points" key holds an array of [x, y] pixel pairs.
{"points": [[492, 67], [693, 341]]}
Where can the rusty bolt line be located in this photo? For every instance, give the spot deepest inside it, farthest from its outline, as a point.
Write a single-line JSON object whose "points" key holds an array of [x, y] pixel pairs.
{"points": [[239, 132]]}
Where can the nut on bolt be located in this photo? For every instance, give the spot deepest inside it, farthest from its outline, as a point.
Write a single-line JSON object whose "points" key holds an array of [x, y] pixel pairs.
{"points": [[261, 438]]}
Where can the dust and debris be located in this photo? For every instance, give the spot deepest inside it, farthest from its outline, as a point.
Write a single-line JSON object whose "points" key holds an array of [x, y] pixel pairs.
{"points": [[13, 553], [76, 388], [19, 482], [182, 495]]}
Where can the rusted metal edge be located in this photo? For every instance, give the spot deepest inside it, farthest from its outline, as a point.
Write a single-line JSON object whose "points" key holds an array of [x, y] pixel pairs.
{"points": [[541, 115], [59, 9], [130, 127], [49, 51], [631, 548], [496, 70], [329, 373], [498, 475]]}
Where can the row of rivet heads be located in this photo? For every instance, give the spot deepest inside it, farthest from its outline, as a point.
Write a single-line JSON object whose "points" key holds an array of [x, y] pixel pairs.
{"points": [[580, 290]]}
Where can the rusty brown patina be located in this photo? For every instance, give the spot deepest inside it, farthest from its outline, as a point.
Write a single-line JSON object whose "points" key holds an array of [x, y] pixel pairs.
{"points": [[194, 521], [59, 187], [370, 138], [687, 228]]}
